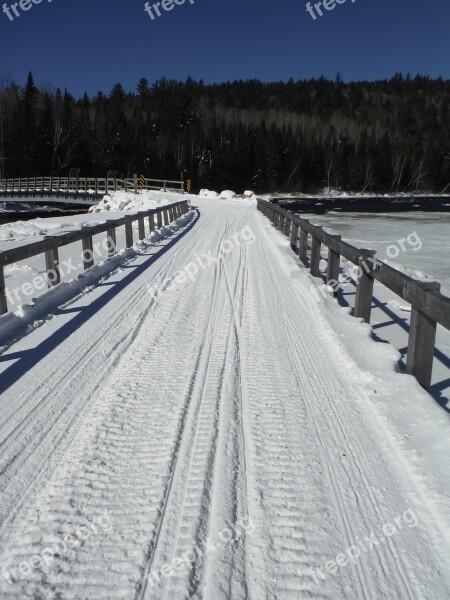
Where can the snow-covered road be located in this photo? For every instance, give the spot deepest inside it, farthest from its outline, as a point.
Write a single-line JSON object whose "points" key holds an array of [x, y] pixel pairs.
{"points": [[224, 437]]}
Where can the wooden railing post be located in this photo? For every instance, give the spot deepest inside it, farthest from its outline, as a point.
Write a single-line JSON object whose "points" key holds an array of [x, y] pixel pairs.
{"points": [[52, 265], [422, 338], [294, 236], [129, 233], [151, 222], [314, 264], [303, 245], [111, 238], [287, 224], [88, 249], [159, 218], [166, 216], [334, 261], [3, 300], [141, 225], [273, 216], [364, 289]]}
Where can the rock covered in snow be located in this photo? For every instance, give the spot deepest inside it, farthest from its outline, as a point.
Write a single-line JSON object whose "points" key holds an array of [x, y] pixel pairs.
{"points": [[227, 195], [248, 194], [208, 194]]}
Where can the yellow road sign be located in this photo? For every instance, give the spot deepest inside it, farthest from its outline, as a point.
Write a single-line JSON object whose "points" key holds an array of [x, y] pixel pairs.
{"points": [[188, 185], [142, 180]]}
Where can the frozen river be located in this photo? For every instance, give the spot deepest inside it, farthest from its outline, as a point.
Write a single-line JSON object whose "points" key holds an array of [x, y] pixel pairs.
{"points": [[425, 249]]}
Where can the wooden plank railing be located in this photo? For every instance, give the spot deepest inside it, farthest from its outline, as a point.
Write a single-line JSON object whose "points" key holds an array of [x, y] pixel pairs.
{"points": [[428, 306], [50, 244], [86, 185]]}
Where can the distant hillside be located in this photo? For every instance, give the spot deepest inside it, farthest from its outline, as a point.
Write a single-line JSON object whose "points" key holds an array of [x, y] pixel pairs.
{"points": [[367, 136]]}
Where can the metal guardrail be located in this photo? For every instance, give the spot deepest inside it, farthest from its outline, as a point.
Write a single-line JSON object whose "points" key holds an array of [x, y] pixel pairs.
{"points": [[428, 306], [86, 185], [50, 244]]}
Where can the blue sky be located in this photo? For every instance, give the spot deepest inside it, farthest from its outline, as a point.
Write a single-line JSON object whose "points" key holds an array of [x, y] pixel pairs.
{"points": [[88, 45]]}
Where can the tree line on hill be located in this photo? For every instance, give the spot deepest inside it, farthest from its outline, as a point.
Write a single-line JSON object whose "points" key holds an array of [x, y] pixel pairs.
{"points": [[386, 136]]}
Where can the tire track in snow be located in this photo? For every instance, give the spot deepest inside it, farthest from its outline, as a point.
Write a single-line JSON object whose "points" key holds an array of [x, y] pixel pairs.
{"points": [[191, 503]]}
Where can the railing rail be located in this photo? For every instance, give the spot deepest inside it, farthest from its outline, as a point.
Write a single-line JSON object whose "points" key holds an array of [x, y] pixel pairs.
{"points": [[93, 185], [428, 306], [50, 244]]}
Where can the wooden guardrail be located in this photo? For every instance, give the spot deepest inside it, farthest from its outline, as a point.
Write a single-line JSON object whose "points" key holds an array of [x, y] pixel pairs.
{"points": [[85, 185], [428, 306], [50, 244]]}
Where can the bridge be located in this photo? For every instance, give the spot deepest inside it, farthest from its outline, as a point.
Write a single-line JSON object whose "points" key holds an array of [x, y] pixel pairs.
{"points": [[185, 416], [77, 191]]}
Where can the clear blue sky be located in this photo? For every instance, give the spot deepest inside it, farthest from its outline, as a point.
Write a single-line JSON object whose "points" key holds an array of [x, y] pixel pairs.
{"points": [[88, 45]]}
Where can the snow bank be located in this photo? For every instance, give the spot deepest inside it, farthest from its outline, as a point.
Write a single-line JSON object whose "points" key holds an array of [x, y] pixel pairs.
{"points": [[120, 201]]}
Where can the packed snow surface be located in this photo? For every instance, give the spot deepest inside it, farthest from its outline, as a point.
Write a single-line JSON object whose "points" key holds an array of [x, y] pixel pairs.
{"points": [[194, 424]]}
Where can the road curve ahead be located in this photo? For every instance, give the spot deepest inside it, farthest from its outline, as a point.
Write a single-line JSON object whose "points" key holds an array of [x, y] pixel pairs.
{"points": [[200, 426]]}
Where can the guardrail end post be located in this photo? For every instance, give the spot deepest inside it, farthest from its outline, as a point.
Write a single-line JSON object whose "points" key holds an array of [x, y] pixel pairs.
{"points": [[421, 341]]}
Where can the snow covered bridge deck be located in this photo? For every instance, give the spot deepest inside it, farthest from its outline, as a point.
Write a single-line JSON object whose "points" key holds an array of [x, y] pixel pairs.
{"points": [[199, 426]]}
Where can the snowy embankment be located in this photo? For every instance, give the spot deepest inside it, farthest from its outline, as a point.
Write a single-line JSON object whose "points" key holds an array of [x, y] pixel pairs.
{"points": [[199, 426]]}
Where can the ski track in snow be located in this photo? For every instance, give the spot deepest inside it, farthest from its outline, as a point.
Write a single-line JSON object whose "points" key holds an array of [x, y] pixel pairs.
{"points": [[214, 405]]}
